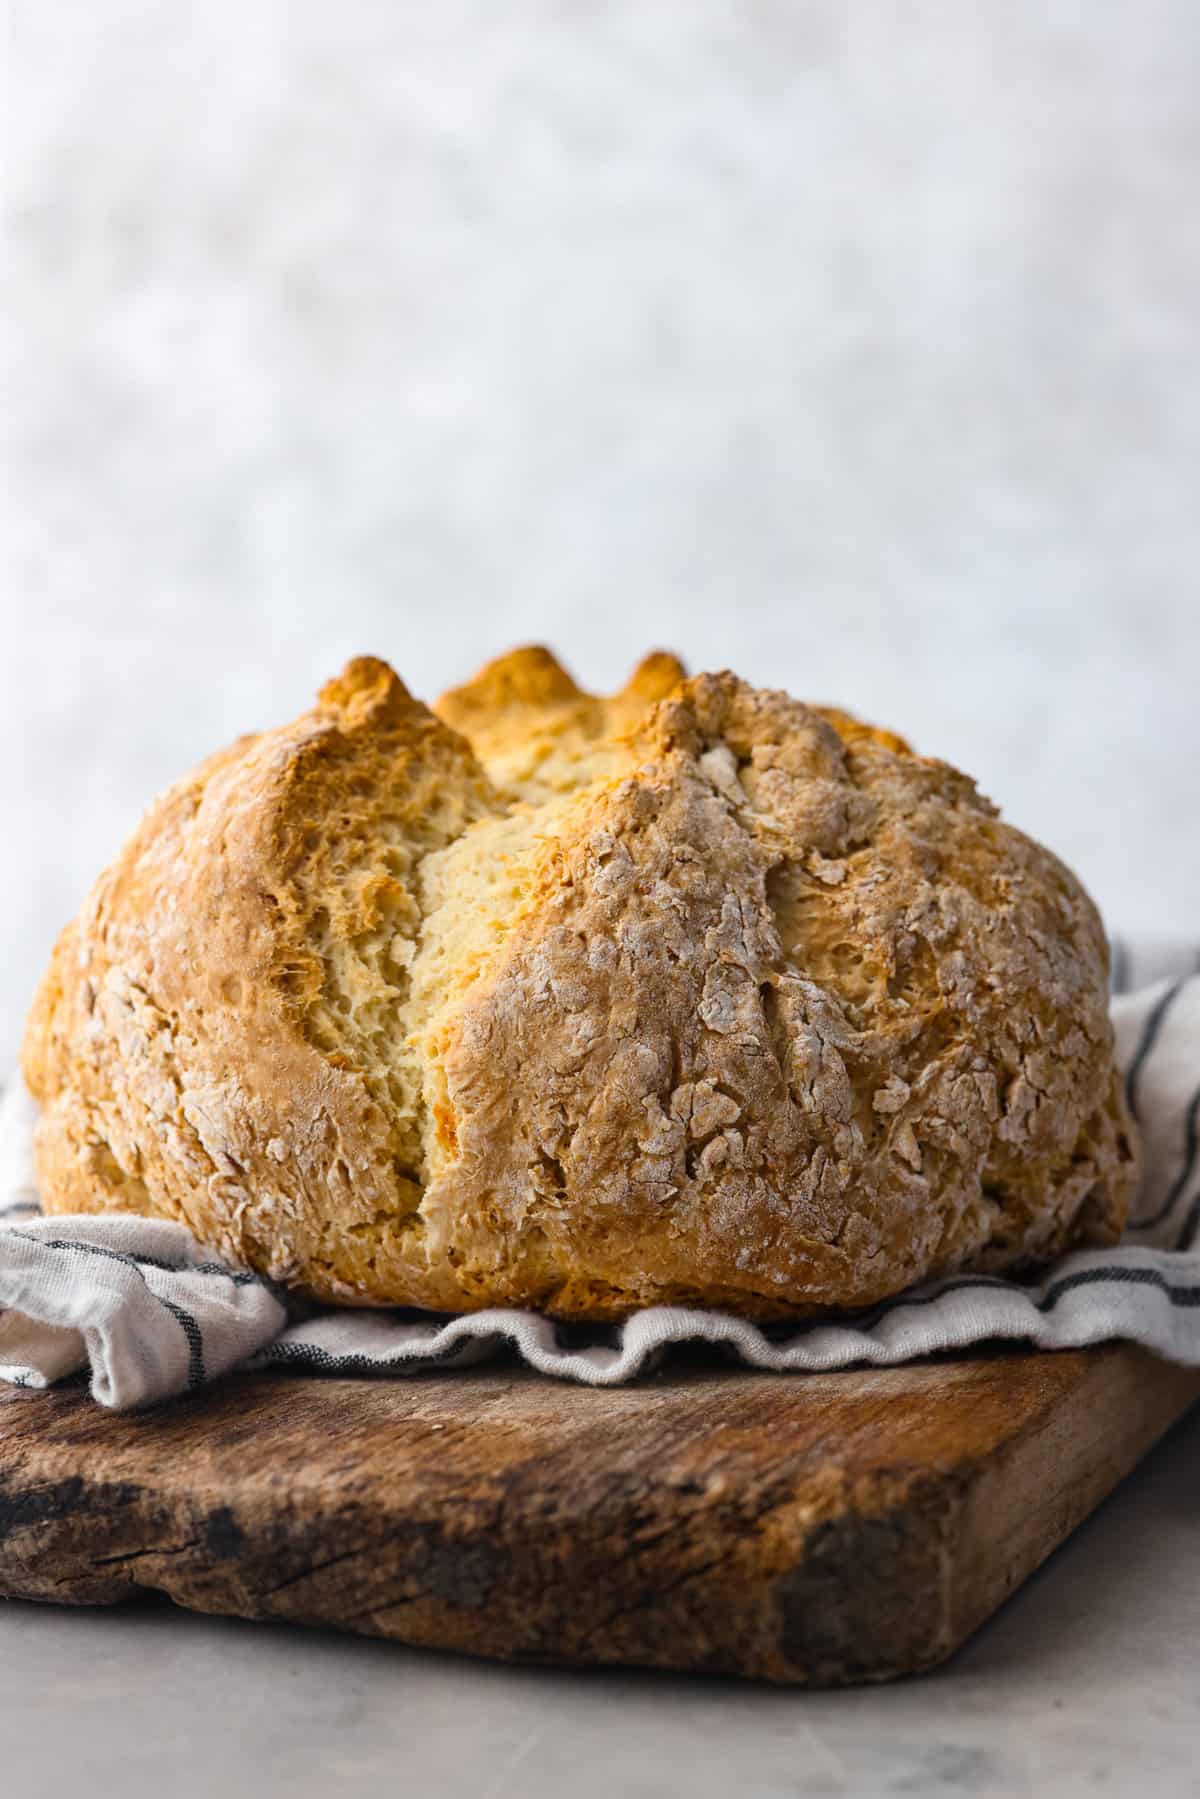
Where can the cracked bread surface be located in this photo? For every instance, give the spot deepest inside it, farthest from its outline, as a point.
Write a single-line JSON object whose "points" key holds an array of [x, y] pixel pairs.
{"points": [[692, 994]]}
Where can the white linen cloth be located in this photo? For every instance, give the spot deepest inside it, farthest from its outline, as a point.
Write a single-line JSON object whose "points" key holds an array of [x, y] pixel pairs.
{"points": [[142, 1305]]}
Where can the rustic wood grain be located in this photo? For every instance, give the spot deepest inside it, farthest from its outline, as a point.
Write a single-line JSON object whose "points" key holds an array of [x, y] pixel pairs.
{"points": [[827, 1528]]}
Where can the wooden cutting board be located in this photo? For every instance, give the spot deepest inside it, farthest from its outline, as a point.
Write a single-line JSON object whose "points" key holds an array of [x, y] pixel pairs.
{"points": [[823, 1528]]}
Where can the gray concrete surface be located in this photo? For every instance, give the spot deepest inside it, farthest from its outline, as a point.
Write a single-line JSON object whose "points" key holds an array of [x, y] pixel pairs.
{"points": [[1085, 1683]]}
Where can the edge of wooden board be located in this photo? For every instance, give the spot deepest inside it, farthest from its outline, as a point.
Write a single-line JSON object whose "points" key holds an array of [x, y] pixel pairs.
{"points": [[824, 1529]]}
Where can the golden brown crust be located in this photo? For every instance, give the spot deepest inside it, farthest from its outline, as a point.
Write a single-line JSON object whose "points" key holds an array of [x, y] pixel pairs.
{"points": [[189, 1044], [537, 732], [694, 994]]}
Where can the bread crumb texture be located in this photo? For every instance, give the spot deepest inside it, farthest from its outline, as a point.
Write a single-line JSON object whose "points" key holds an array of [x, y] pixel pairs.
{"points": [[694, 995]]}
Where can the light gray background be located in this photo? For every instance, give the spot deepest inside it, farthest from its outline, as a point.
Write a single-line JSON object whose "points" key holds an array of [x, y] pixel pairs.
{"points": [[854, 343]]}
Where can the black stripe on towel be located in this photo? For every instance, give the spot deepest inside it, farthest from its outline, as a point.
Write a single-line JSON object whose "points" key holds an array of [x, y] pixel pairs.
{"points": [[1185, 1296], [311, 1355], [1180, 1184], [1191, 1224], [1148, 1039], [187, 1324], [195, 1340], [241, 1277]]}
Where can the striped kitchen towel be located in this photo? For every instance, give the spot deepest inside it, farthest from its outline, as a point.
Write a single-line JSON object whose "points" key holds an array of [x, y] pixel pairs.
{"points": [[139, 1303]]}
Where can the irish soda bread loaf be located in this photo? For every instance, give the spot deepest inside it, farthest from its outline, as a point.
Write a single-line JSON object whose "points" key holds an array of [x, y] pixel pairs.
{"points": [[695, 994]]}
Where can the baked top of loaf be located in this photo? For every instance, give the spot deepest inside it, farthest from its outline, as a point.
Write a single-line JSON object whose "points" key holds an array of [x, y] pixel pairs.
{"points": [[694, 994]]}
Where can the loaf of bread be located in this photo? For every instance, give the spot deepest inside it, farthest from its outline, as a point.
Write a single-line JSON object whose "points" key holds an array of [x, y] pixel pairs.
{"points": [[691, 995]]}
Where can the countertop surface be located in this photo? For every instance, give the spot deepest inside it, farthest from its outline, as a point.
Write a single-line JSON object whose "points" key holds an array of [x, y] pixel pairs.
{"points": [[1084, 1683]]}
